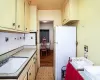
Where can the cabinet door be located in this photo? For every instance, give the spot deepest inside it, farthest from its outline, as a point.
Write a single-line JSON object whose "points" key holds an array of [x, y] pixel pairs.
{"points": [[31, 72], [25, 78], [33, 19], [67, 14], [63, 13], [20, 15], [27, 16], [36, 66], [73, 9], [7, 14]]}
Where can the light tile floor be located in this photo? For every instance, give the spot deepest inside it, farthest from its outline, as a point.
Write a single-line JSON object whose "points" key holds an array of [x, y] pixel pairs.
{"points": [[45, 73]]}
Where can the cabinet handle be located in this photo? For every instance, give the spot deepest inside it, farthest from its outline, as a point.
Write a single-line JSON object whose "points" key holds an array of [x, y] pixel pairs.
{"points": [[29, 73], [26, 28], [18, 26], [34, 58], [64, 20], [13, 24]]}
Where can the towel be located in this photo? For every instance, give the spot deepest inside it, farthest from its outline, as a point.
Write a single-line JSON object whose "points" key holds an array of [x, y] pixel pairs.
{"points": [[72, 73]]}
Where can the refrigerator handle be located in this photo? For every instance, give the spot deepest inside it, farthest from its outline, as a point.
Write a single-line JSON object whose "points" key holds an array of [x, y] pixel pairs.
{"points": [[55, 42]]}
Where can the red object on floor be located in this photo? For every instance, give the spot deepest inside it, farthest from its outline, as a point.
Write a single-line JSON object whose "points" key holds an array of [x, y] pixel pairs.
{"points": [[72, 73]]}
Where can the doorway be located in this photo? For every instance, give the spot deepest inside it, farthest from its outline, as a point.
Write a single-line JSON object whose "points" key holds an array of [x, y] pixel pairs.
{"points": [[46, 43]]}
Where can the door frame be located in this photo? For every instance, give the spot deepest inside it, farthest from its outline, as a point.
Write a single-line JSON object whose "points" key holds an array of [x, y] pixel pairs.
{"points": [[38, 41]]}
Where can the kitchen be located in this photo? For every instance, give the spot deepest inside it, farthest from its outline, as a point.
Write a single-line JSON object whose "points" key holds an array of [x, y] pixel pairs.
{"points": [[20, 42]]}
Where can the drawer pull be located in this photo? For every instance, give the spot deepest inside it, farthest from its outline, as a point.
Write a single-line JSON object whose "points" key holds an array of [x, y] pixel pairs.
{"points": [[34, 58], [18, 26], [29, 73], [64, 20], [13, 24]]}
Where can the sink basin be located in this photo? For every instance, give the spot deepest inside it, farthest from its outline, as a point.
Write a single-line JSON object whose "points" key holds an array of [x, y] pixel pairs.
{"points": [[93, 72], [80, 62], [12, 66]]}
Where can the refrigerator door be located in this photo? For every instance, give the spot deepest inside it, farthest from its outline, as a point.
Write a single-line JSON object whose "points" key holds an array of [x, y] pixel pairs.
{"points": [[65, 47]]}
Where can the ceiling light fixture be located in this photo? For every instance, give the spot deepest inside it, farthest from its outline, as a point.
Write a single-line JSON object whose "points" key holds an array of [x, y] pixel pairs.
{"points": [[44, 21]]}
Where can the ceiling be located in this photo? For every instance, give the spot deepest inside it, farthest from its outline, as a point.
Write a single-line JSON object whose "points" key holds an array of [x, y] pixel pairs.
{"points": [[47, 4]]}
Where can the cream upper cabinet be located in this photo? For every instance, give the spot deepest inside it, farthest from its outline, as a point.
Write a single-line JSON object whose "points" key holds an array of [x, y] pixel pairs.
{"points": [[7, 14], [33, 18], [70, 11], [20, 15], [27, 16]]}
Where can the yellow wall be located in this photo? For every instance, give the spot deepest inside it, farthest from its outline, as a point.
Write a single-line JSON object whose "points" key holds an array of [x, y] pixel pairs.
{"points": [[54, 15], [88, 30]]}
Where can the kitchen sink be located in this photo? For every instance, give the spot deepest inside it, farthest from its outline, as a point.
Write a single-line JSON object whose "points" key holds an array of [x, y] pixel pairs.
{"points": [[80, 62], [12, 65], [93, 72]]}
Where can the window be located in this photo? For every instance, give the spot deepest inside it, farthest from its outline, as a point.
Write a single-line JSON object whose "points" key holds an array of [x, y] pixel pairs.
{"points": [[44, 33]]}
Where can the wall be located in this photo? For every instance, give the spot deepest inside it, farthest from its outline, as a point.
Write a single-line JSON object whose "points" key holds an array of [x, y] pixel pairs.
{"points": [[50, 27], [16, 40], [30, 39], [53, 15], [88, 30], [13, 42]]}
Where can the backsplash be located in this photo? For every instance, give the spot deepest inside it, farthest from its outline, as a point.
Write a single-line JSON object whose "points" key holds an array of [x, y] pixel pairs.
{"points": [[10, 41], [30, 39]]}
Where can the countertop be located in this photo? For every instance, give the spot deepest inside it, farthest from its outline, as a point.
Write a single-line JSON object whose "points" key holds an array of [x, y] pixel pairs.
{"points": [[81, 72], [84, 75], [26, 52]]}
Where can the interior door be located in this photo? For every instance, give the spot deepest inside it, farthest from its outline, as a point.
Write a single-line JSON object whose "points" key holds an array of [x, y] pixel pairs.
{"points": [[7, 13], [65, 47]]}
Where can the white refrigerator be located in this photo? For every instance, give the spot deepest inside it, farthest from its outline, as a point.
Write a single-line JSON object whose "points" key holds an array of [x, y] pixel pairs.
{"points": [[65, 47]]}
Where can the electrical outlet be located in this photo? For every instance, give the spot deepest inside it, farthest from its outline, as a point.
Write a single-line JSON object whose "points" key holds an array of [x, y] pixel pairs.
{"points": [[31, 37], [86, 48], [6, 39]]}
